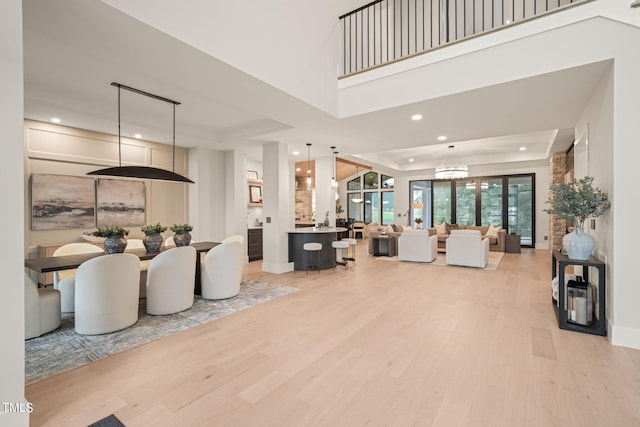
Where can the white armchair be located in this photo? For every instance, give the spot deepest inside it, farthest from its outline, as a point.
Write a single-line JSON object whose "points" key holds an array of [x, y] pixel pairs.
{"points": [[222, 271], [64, 280], [107, 294], [467, 248], [170, 281], [417, 246], [41, 309]]}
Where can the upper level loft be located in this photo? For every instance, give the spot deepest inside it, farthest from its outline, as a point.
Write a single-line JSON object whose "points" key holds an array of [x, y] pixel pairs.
{"points": [[386, 31]]}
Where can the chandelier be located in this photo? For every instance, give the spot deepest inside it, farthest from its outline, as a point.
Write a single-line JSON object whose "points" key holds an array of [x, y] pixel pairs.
{"points": [[452, 171]]}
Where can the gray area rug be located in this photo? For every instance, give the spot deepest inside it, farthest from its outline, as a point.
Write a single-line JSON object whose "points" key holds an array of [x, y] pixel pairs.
{"points": [[64, 349]]}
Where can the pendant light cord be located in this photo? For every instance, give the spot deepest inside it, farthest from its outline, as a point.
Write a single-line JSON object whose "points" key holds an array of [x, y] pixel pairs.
{"points": [[119, 133], [174, 138]]}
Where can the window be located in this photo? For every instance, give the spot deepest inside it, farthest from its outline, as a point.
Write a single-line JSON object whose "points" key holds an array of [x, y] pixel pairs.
{"points": [[371, 181], [354, 184], [387, 207], [520, 208], [354, 208], [387, 181], [441, 202], [371, 207], [491, 201], [466, 202], [420, 203]]}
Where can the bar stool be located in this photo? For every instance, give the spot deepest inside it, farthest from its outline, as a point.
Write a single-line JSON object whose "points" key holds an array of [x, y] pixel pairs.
{"points": [[313, 247], [352, 243], [340, 246]]}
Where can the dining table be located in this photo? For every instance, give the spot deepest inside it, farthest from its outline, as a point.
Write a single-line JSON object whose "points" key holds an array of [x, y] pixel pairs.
{"points": [[69, 262]]}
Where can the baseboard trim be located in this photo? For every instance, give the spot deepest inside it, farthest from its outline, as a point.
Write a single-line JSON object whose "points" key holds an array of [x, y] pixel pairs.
{"points": [[542, 246], [277, 268], [624, 336]]}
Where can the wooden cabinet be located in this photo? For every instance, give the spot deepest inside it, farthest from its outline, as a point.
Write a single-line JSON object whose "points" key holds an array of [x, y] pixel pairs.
{"points": [[254, 243]]}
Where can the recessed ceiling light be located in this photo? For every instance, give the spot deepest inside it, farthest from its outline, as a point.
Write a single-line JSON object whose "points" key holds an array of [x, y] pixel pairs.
{"points": [[55, 120], [295, 153], [442, 138], [416, 117], [523, 148], [137, 135], [298, 169], [412, 160]]}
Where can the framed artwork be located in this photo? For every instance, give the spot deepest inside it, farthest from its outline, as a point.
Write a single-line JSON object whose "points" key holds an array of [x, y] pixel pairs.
{"points": [[62, 202], [255, 194], [252, 175], [120, 202]]}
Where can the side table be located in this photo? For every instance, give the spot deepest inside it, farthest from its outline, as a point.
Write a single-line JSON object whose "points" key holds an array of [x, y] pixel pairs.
{"points": [[599, 325], [512, 243], [383, 245]]}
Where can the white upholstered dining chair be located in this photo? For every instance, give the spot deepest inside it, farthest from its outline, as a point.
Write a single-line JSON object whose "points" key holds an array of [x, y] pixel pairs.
{"points": [[41, 309], [222, 271], [171, 281], [107, 292], [64, 280]]}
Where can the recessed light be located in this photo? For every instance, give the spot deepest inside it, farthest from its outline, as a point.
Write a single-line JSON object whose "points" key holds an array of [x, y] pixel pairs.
{"points": [[442, 138], [298, 169], [55, 120], [412, 160], [295, 153], [137, 135], [523, 148], [416, 117]]}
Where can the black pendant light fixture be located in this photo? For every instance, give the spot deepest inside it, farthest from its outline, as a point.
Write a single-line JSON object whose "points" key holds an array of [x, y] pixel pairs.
{"points": [[143, 172]]}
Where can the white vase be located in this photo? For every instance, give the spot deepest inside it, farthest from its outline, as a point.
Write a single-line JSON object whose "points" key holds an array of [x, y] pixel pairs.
{"points": [[578, 244]]}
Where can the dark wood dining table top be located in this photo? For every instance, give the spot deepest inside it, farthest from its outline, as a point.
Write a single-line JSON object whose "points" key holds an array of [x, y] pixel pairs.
{"points": [[67, 262]]}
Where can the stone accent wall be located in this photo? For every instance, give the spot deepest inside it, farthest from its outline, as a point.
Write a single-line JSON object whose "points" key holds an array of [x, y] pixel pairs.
{"points": [[557, 225], [304, 207]]}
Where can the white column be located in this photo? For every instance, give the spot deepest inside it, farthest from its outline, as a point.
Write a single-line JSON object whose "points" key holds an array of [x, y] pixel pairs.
{"points": [[278, 208], [325, 193], [206, 210], [13, 216], [236, 194]]}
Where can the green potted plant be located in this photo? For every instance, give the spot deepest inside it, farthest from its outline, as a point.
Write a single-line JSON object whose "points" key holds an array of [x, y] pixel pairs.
{"points": [[183, 235], [577, 202], [114, 241], [153, 239]]}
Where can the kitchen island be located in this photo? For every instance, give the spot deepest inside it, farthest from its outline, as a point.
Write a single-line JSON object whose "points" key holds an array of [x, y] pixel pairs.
{"points": [[324, 235]]}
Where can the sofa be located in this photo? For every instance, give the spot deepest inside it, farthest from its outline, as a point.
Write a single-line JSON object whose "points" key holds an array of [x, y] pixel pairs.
{"points": [[496, 244]]}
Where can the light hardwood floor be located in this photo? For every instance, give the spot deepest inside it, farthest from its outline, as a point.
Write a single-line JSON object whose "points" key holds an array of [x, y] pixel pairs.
{"points": [[384, 344]]}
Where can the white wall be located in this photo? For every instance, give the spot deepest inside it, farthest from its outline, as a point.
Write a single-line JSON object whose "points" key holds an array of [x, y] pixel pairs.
{"points": [[206, 213], [11, 169], [290, 44], [63, 150]]}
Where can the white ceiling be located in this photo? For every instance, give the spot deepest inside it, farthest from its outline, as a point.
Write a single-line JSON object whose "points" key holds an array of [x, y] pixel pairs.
{"points": [[73, 50]]}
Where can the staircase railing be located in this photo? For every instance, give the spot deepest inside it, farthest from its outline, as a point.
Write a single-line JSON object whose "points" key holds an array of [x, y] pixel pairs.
{"points": [[385, 31]]}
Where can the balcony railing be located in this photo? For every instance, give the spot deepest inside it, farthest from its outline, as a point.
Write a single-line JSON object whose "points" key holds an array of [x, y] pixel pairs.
{"points": [[385, 31]]}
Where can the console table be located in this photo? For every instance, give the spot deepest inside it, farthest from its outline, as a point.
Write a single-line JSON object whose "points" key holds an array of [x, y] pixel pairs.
{"points": [[599, 325]]}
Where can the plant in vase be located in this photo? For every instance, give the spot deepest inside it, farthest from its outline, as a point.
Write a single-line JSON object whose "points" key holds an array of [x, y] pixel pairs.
{"points": [[114, 241], [418, 221], [183, 235], [577, 202], [153, 239]]}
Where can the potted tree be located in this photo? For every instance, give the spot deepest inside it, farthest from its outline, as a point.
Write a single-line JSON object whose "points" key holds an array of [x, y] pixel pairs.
{"points": [[577, 202], [114, 241], [152, 237], [183, 235]]}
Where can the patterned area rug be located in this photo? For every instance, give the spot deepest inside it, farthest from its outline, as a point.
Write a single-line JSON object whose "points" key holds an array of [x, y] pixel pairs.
{"points": [[494, 260], [64, 349]]}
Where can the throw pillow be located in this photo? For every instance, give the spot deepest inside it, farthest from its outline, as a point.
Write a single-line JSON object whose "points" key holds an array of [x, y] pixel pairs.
{"points": [[389, 229], [447, 227], [492, 231], [398, 228], [441, 228]]}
